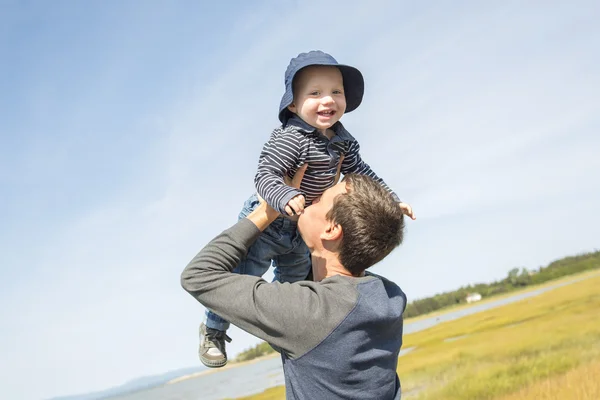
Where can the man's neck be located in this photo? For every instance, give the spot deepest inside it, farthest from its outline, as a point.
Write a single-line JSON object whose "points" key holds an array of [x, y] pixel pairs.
{"points": [[326, 265]]}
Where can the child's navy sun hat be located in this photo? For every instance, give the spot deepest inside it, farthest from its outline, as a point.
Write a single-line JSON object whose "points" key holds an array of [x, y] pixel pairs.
{"points": [[354, 84]]}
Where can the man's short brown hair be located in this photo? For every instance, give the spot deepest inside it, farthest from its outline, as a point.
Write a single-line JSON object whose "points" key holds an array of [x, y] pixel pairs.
{"points": [[371, 220]]}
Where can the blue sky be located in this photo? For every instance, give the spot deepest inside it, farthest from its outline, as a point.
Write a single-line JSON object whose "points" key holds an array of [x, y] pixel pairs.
{"points": [[130, 134]]}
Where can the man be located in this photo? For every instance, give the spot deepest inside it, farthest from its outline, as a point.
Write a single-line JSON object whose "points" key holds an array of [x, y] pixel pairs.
{"points": [[339, 336]]}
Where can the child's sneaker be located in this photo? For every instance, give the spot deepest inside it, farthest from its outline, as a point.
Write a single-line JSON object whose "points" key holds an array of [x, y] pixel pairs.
{"points": [[212, 347]]}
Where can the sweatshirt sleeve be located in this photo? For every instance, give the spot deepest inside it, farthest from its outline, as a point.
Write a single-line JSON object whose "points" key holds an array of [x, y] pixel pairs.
{"points": [[354, 164], [279, 155], [283, 314]]}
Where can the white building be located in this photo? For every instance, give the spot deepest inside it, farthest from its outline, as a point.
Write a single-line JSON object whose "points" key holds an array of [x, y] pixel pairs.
{"points": [[473, 297]]}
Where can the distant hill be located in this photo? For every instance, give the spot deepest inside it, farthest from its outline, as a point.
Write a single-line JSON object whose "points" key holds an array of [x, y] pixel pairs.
{"points": [[136, 385]]}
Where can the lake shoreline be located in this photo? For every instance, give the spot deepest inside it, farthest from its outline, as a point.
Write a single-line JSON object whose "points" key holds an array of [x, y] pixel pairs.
{"points": [[226, 367]]}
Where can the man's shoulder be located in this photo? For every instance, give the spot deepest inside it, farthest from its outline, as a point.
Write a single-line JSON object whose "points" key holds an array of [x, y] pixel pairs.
{"points": [[346, 282], [337, 287], [338, 293], [391, 287], [313, 311], [348, 289], [373, 275]]}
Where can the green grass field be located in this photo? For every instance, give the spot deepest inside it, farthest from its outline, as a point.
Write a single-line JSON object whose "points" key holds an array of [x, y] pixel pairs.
{"points": [[546, 347]]}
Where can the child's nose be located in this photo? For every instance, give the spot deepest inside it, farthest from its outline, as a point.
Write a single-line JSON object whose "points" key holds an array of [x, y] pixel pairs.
{"points": [[327, 100]]}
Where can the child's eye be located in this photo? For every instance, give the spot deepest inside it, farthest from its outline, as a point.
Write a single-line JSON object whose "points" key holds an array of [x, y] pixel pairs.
{"points": [[314, 93], [337, 92]]}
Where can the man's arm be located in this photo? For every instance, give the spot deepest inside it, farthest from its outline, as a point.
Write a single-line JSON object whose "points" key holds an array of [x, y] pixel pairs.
{"points": [[278, 313], [279, 155], [353, 163]]}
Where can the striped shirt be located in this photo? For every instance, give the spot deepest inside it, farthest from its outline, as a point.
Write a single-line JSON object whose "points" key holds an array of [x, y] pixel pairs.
{"points": [[297, 143]]}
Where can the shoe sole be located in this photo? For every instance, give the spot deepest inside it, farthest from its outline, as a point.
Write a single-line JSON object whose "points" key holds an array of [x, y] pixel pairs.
{"points": [[212, 363]]}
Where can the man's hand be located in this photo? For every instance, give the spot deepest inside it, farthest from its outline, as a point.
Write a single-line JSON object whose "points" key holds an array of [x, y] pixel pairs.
{"points": [[296, 205], [298, 176], [264, 214], [339, 170], [407, 210]]}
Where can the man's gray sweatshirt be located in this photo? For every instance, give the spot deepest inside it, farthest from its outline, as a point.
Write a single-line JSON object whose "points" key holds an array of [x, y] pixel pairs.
{"points": [[339, 338]]}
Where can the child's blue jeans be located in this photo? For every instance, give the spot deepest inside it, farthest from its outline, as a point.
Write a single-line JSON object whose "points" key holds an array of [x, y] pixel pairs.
{"points": [[280, 244]]}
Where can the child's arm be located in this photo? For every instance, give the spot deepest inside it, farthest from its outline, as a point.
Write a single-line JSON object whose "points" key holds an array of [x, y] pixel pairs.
{"points": [[282, 153], [353, 163]]}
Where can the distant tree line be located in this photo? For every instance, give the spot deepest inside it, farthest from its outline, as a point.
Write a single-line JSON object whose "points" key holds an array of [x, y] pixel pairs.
{"points": [[517, 278], [254, 352]]}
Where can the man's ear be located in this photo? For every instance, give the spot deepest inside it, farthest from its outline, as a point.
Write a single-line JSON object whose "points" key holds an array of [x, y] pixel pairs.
{"points": [[292, 107], [333, 231]]}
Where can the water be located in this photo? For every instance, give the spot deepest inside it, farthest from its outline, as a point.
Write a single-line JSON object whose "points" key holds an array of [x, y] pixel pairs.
{"points": [[228, 383], [256, 377]]}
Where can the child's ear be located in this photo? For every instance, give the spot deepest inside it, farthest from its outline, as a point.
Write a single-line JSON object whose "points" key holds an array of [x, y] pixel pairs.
{"points": [[292, 107]]}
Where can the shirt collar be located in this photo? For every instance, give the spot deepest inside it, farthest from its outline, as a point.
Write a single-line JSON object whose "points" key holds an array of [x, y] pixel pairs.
{"points": [[338, 128]]}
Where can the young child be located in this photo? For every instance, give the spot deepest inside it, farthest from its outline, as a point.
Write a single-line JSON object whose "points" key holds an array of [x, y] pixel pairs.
{"points": [[318, 91]]}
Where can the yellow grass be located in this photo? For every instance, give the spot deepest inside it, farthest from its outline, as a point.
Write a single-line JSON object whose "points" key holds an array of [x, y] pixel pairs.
{"points": [[581, 383], [276, 393], [544, 344], [505, 349]]}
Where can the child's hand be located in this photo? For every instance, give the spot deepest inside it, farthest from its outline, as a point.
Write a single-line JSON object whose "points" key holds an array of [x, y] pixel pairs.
{"points": [[407, 210], [296, 205]]}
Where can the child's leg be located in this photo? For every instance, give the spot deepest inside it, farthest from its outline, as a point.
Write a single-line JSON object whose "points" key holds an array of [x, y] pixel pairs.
{"points": [[292, 267], [295, 264]]}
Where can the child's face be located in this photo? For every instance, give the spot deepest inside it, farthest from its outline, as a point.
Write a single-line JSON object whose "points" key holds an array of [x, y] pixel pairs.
{"points": [[319, 96]]}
